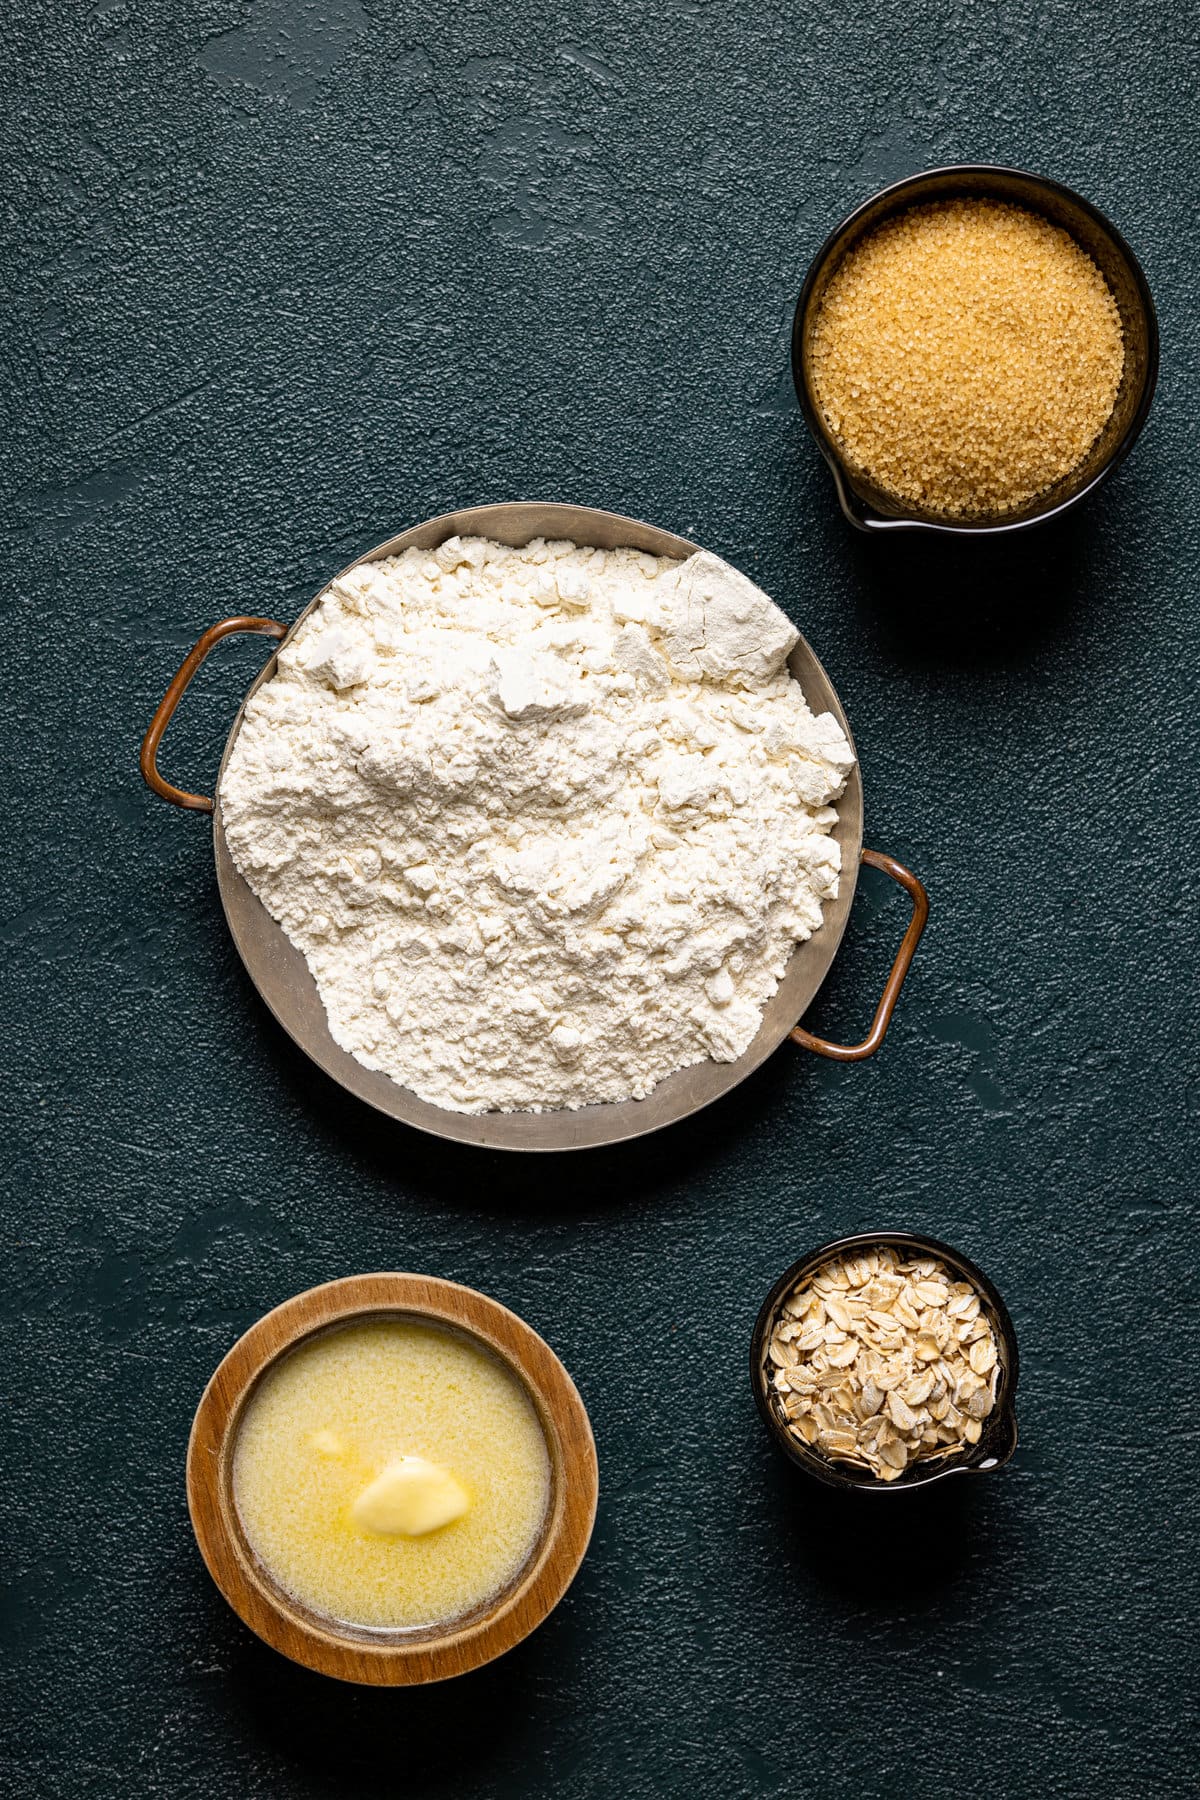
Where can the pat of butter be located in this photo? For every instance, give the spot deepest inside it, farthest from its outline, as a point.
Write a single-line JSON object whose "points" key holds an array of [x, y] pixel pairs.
{"points": [[327, 1443], [410, 1498]]}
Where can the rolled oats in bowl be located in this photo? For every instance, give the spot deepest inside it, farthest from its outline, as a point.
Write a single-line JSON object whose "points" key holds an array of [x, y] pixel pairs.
{"points": [[880, 1359]]}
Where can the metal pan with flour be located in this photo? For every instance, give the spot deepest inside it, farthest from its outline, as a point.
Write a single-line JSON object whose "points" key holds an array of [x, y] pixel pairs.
{"points": [[281, 974]]}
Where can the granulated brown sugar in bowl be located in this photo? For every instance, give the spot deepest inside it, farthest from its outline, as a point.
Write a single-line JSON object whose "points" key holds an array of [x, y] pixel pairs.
{"points": [[966, 355]]}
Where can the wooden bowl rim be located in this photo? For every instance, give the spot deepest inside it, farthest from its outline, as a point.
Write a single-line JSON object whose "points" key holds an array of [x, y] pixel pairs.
{"points": [[384, 1659]]}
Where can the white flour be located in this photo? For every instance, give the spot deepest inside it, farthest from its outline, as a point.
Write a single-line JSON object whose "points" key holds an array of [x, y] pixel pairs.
{"points": [[546, 823]]}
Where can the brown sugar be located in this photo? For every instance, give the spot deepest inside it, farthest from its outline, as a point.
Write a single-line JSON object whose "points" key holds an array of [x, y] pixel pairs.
{"points": [[966, 355]]}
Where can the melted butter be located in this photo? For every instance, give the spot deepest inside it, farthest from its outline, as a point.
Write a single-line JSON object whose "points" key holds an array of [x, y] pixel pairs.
{"points": [[391, 1474]]}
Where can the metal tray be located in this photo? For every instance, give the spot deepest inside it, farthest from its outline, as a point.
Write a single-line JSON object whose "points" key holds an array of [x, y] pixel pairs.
{"points": [[281, 975]]}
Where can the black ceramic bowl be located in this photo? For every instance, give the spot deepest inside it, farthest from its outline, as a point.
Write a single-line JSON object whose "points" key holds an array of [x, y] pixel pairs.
{"points": [[870, 507], [999, 1438]]}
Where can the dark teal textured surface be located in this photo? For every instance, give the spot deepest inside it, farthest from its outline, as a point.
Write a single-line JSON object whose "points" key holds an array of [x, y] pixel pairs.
{"points": [[283, 277]]}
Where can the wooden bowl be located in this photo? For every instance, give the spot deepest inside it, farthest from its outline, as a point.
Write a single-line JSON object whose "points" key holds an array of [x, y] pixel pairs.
{"points": [[393, 1658]]}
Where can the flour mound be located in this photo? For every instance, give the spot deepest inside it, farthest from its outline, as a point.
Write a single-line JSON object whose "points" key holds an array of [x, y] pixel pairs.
{"points": [[546, 823]]}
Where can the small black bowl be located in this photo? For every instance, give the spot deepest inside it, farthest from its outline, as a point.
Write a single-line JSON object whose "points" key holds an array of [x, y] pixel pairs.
{"points": [[999, 1438], [871, 508]]}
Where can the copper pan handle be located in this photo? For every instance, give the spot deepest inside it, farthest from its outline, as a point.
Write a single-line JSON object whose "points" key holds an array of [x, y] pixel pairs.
{"points": [[895, 981], [174, 694]]}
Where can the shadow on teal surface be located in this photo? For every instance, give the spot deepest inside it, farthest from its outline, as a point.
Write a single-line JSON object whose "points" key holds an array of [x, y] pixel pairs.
{"points": [[961, 605], [892, 1554], [445, 1738]]}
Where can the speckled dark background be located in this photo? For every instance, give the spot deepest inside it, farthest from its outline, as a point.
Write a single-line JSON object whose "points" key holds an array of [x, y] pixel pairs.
{"points": [[281, 278]]}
